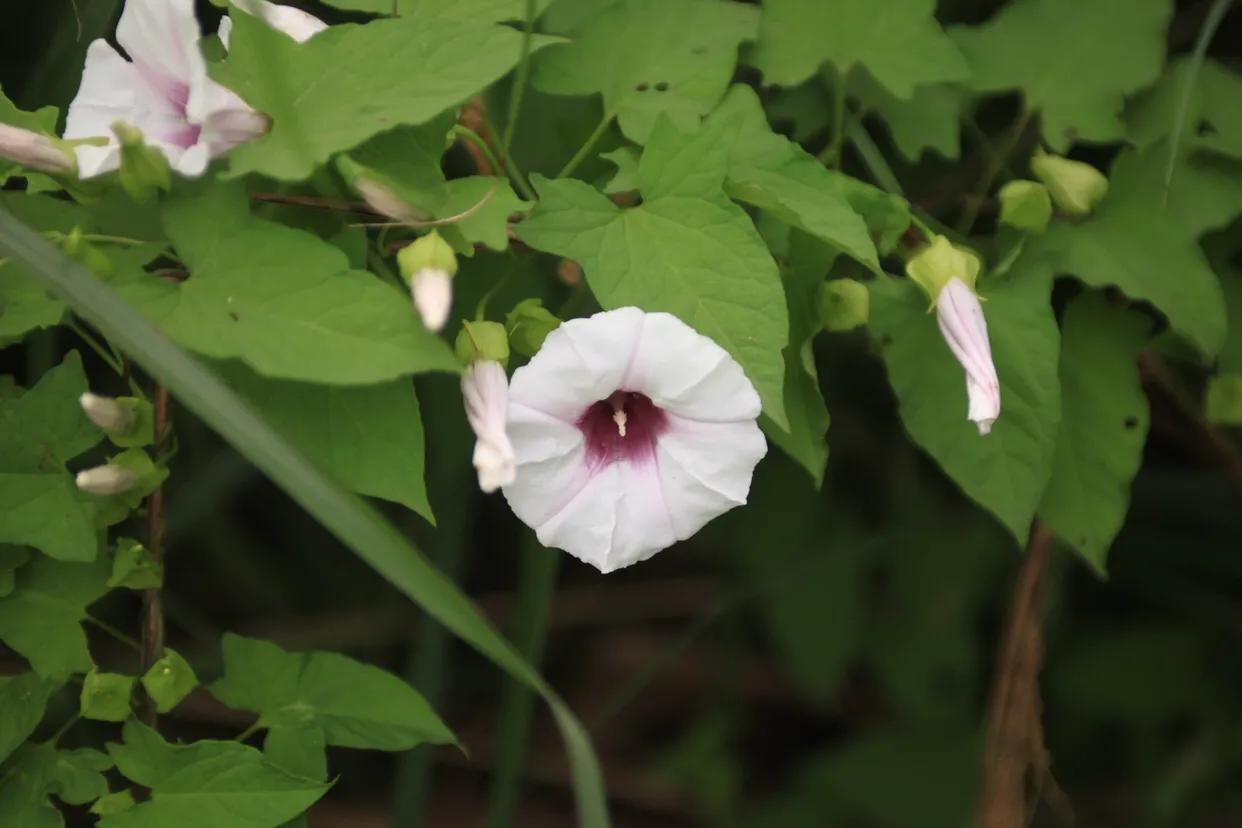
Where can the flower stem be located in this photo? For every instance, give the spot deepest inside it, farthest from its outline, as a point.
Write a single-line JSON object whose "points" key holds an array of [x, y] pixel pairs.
{"points": [[871, 156], [95, 345], [127, 640], [995, 163], [152, 599], [831, 155], [584, 151], [519, 80]]}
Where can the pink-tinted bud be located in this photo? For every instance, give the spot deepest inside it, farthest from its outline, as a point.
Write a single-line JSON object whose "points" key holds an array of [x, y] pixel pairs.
{"points": [[485, 390], [966, 332], [34, 151]]}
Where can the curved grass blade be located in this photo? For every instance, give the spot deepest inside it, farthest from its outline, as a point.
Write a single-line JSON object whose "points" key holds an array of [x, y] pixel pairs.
{"points": [[347, 516]]}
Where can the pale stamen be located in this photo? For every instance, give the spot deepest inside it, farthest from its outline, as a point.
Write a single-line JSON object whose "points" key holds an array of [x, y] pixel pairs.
{"points": [[618, 417]]}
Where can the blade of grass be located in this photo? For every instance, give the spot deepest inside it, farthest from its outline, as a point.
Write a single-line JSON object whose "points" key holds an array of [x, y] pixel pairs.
{"points": [[347, 516]]}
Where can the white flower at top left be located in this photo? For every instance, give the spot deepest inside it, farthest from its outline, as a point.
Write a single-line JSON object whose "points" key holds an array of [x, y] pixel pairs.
{"points": [[162, 90]]}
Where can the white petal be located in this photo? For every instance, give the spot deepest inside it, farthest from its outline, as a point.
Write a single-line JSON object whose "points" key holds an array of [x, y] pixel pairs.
{"points": [[583, 525], [485, 391], [685, 372], [161, 38], [581, 362], [297, 24], [107, 94], [965, 330], [705, 469], [433, 297], [227, 120]]}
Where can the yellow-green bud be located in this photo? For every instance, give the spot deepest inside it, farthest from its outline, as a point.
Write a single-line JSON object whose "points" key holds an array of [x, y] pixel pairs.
{"points": [[84, 253], [1026, 206], [529, 324], [144, 169], [844, 304], [941, 261], [1076, 188], [482, 341], [429, 252]]}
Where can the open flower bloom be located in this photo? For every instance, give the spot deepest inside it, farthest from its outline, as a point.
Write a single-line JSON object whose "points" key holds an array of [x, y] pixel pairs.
{"points": [[162, 90], [485, 390], [966, 332], [299, 25], [631, 432], [34, 151]]}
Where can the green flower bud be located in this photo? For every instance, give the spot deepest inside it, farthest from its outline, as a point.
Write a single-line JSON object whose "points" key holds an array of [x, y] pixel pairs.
{"points": [[128, 421], [1025, 205], [1075, 187], [144, 170], [941, 261], [529, 324], [482, 341], [429, 252], [844, 304]]}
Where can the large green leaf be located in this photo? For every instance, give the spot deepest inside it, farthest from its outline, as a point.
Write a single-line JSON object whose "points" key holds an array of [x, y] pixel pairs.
{"points": [[1007, 470], [899, 41], [648, 57], [929, 120], [1212, 121], [351, 82], [687, 250], [1136, 243], [1103, 425], [1075, 62], [42, 619], [39, 432], [22, 702], [772, 172], [36, 771], [368, 437], [351, 520], [476, 10], [355, 704], [282, 300], [206, 784]]}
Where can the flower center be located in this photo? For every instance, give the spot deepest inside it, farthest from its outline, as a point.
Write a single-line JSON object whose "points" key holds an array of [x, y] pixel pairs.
{"points": [[623, 427]]}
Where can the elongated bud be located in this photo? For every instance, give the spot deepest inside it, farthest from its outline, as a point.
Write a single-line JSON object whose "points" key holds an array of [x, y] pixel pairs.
{"points": [[529, 324], [1025, 205], [144, 169], [382, 199], [485, 392], [844, 304], [106, 480], [965, 331], [107, 413], [1075, 187], [482, 341], [939, 262], [428, 265], [35, 151]]}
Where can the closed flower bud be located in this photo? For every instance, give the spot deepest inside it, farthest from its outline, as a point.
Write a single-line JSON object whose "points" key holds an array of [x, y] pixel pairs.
{"points": [[485, 391], [383, 200], [482, 341], [106, 480], [35, 151], [428, 265], [1076, 188], [107, 413], [529, 324], [1025, 205], [844, 304]]}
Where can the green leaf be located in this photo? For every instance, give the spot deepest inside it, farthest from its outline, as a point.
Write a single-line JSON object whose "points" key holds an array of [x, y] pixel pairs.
{"points": [[298, 748], [403, 71], [1135, 243], [348, 518], [11, 559], [899, 41], [406, 160], [368, 437], [651, 57], [479, 10], [357, 705], [23, 699], [480, 218], [1104, 421], [929, 119], [113, 803], [36, 771], [134, 568], [169, 680], [281, 300], [625, 159], [775, 174], [206, 784], [39, 431], [42, 619], [106, 697], [686, 250], [1212, 120], [1223, 402], [1005, 471], [1073, 62]]}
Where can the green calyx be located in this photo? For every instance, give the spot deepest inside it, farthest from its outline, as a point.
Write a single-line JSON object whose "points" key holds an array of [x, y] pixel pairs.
{"points": [[844, 304], [482, 341], [1025, 205], [1076, 188], [144, 169], [940, 261], [429, 252], [529, 324]]}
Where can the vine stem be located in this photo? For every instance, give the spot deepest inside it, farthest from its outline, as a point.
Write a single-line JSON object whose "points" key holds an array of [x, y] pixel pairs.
{"points": [[995, 163], [831, 155], [152, 599], [519, 81], [585, 150], [127, 640]]}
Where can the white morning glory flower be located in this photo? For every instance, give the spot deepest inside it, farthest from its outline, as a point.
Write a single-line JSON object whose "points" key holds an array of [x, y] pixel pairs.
{"points": [[162, 90], [299, 25], [485, 390], [631, 432]]}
